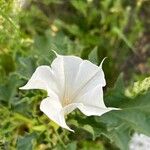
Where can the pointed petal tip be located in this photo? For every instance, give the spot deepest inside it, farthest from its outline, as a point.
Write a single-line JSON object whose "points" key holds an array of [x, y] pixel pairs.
{"points": [[22, 88], [70, 129], [25, 87], [102, 61], [57, 55], [113, 108], [51, 107]]}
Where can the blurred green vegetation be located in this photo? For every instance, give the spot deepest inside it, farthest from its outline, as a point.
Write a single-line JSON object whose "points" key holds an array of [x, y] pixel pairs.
{"points": [[91, 29]]}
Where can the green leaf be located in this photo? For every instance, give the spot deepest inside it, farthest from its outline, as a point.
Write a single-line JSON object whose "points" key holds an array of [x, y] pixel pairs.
{"points": [[26, 67], [139, 87], [93, 56], [42, 47], [81, 6], [70, 146], [116, 96], [91, 145], [9, 89], [120, 136], [26, 142], [123, 37], [89, 129], [134, 116], [7, 62]]}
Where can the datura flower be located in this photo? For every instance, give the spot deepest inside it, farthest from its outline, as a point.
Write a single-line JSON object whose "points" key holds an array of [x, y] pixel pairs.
{"points": [[71, 83]]}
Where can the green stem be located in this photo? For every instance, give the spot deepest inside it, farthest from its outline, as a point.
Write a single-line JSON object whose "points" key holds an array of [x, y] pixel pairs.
{"points": [[60, 140], [23, 118], [123, 37]]}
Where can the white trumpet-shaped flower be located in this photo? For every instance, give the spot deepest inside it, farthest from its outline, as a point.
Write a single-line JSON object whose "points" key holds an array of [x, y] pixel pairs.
{"points": [[70, 83]]}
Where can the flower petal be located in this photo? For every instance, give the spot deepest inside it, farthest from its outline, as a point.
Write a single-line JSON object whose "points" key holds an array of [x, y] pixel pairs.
{"points": [[93, 110], [42, 78], [88, 77], [53, 109], [92, 98], [93, 103], [75, 76], [65, 69], [71, 107], [86, 109]]}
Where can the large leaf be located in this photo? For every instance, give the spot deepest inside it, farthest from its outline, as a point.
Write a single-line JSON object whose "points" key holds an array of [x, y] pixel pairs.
{"points": [[134, 116]]}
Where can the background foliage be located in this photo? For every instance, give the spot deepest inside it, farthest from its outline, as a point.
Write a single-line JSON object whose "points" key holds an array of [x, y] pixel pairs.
{"points": [[91, 29]]}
